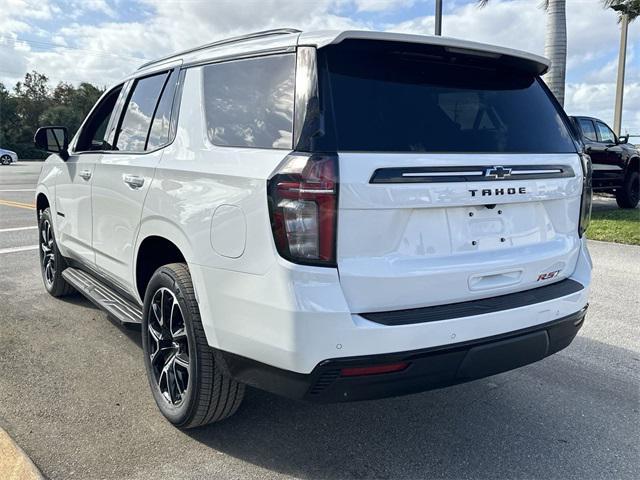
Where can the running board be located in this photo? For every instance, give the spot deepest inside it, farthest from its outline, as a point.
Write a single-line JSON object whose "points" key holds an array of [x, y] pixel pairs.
{"points": [[104, 297]]}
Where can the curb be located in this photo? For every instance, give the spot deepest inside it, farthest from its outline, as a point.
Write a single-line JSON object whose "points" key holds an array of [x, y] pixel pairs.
{"points": [[14, 463]]}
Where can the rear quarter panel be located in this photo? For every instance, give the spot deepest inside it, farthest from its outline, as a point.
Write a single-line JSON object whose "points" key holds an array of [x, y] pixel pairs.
{"points": [[193, 180]]}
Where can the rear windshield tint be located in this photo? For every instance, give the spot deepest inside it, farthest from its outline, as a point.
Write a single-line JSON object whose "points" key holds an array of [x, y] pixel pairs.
{"points": [[403, 98]]}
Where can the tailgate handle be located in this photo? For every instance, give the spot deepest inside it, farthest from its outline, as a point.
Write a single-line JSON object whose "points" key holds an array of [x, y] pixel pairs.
{"points": [[495, 280]]}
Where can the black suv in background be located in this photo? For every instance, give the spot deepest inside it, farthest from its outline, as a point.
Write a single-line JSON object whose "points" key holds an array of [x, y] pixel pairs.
{"points": [[615, 162]]}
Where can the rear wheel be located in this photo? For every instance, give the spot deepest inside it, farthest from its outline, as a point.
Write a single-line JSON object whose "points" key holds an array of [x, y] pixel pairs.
{"points": [[629, 195], [52, 263], [5, 160], [185, 378]]}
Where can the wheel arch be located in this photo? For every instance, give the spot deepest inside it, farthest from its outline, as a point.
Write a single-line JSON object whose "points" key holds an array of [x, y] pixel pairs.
{"points": [[159, 243], [43, 200]]}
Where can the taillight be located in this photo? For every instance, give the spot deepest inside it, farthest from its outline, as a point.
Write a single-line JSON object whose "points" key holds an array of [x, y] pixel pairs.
{"points": [[303, 202], [587, 193]]}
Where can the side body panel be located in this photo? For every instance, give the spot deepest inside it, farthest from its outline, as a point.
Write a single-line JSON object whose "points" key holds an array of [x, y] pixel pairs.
{"points": [[73, 206], [117, 207], [47, 186]]}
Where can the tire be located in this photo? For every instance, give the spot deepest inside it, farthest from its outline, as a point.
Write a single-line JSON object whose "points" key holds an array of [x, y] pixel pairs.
{"points": [[5, 160], [52, 263], [629, 195], [185, 377]]}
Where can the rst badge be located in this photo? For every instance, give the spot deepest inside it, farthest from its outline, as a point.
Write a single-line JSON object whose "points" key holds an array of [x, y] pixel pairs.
{"points": [[548, 275]]}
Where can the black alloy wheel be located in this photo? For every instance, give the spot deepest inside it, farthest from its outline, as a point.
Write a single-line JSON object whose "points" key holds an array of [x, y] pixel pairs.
{"points": [[52, 263], [169, 346], [190, 386]]}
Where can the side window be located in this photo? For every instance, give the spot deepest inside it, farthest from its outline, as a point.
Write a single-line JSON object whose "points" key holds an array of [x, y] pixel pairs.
{"points": [[160, 126], [139, 110], [93, 134], [588, 129], [249, 103], [606, 135]]}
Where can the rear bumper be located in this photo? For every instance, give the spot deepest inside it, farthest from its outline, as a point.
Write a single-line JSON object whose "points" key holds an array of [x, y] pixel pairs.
{"points": [[427, 369], [294, 318]]}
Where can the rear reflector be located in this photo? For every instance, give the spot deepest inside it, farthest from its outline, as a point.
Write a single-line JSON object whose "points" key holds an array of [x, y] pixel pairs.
{"points": [[374, 369]]}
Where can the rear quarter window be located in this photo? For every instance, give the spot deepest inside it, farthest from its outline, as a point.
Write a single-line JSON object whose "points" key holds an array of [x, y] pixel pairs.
{"points": [[249, 103]]}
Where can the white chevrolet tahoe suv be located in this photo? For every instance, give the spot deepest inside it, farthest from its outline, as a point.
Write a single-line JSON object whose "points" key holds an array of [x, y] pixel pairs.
{"points": [[330, 216]]}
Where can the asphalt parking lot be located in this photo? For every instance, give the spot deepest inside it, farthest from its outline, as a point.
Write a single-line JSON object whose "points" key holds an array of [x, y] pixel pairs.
{"points": [[74, 395]]}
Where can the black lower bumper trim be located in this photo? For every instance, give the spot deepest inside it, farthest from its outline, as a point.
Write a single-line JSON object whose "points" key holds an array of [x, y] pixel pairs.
{"points": [[427, 369], [476, 307]]}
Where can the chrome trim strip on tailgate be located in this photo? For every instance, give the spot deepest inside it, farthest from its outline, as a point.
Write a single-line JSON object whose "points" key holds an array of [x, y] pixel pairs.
{"points": [[480, 173]]}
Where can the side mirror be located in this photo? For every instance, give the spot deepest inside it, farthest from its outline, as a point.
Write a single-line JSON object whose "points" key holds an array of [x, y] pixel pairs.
{"points": [[623, 138], [54, 140]]}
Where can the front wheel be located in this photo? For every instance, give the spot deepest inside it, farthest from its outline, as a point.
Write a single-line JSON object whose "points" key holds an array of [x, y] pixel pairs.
{"points": [[5, 160], [629, 195], [52, 263], [186, 380]]}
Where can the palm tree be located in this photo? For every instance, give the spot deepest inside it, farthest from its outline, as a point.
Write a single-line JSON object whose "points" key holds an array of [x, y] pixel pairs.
{"points": [[555, 45], [628, 11]]}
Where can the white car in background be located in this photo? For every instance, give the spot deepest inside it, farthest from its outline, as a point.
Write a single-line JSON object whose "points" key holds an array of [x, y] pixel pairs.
{"points": [[7, 157]]}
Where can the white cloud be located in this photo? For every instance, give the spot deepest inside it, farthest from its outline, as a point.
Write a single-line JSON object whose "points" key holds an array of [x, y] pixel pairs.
{"points": [[381, 5], [597, 99], [106, 52], [76, 8], [34, 9]]}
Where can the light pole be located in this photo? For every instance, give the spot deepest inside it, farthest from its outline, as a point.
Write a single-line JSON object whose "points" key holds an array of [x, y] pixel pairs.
{"points": [[438, 17]]}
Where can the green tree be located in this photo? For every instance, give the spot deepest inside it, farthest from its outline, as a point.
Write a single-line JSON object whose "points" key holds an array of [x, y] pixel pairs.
{"points": [[32, 103]]}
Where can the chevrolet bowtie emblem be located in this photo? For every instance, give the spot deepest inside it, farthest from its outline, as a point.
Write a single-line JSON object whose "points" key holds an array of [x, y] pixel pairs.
{"points": [[497, 172]]}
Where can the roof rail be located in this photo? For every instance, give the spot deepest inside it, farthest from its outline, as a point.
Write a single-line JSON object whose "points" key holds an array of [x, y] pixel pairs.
{"points": [[226, 41]]}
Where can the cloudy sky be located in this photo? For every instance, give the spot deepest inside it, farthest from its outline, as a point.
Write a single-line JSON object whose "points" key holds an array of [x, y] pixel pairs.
{"points": [[101, 40]]}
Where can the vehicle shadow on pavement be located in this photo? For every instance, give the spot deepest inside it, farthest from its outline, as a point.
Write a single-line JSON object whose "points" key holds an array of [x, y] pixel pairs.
{"points": [[548, 420], [130, 330]]}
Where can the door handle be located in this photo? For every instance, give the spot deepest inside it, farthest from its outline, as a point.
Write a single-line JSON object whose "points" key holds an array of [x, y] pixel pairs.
{"points": [[86, 174], [133, 181]]}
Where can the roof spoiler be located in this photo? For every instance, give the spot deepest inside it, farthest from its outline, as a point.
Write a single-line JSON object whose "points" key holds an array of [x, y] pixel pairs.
{"points": [[529, 62]]}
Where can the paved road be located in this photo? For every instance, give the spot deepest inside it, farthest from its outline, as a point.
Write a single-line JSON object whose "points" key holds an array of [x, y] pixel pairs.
{"points": [[74, 395], [605, 201]]}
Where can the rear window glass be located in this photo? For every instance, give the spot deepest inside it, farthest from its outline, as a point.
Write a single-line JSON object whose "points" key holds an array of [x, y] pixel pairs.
{"points": [[249, 103], [403, 99]]}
